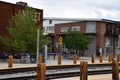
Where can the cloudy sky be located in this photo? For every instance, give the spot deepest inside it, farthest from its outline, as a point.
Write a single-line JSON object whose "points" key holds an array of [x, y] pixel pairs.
{"points": [[108, 9]]}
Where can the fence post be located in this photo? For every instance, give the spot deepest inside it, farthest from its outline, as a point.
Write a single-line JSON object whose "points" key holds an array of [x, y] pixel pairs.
{"points": [[100, 57], [109, 58], [10, 61], [41, 71], [115, 70], [40, 59], [93, 58], [59, 59], [83, 70], [75, 59], [118, 57]]}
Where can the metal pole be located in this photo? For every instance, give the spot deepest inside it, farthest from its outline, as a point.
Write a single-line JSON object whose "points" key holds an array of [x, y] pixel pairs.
{"points": [[37, 45]]}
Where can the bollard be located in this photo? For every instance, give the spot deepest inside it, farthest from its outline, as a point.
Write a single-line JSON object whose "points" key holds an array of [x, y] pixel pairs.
{"points": [[40, 59], [83, 70], [112, 57], [93, 58], [75, 59], [59, 59], [109, 58], [10, 61], [118, 57], [115, 70], [100, 57], [41, 71]]}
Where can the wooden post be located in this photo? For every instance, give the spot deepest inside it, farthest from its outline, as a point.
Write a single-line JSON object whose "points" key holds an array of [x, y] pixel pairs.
{"points": [[75, 59], [40, 59], [109, 58], [59, 59], [115, 70], [93, 58], [118, 57], [41, 71], [83, 70], [10, 61], [100, 57], [112, 56]]}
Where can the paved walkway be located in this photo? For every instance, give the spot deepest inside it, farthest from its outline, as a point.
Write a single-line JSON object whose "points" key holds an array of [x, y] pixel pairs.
{"points": [[50, 62]]}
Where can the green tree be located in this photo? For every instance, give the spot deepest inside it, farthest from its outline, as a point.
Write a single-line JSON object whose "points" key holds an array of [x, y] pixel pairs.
{"points": [[76, 41], [23, 32]]}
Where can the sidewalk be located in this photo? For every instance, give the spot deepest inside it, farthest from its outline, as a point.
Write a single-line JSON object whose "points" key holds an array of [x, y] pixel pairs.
{"points": [[52, 62]]}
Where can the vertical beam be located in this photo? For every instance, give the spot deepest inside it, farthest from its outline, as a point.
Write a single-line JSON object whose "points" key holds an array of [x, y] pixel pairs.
{"points": [[10, 61], [41, 71], [115, 70], [83, 70], [59, 59], [75, 59]]}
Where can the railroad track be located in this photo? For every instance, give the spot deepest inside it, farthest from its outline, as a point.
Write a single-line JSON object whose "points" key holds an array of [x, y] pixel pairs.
{"points": [[53, 72]]}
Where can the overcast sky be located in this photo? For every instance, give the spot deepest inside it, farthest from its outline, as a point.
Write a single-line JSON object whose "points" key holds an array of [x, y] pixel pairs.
{"points": [[108, 9]]}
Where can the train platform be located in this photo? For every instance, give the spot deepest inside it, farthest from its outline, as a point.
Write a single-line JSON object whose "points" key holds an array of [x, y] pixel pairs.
{"points": [[4, 64], [92, 77]]}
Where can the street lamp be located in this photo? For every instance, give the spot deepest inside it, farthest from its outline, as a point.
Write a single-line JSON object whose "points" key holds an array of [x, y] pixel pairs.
{"points": [[37, 45]]}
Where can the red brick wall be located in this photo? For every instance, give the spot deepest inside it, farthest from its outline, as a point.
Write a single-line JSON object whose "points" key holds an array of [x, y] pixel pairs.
{"points": [[7, 10]]}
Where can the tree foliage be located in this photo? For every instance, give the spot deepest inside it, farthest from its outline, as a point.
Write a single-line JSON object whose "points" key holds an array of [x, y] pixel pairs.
{"points": [[23, 32], [76, 40]]}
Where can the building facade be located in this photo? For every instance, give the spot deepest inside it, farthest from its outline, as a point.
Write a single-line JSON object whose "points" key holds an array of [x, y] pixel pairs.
{"points": [[7, 10], [104, 35]]}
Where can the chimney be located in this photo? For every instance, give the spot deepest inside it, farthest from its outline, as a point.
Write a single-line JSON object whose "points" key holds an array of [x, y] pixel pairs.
{"points": [[21, 3]]}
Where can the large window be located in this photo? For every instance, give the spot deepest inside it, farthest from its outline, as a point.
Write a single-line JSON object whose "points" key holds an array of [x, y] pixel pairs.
{"points": [[64, 29], [77, 28], [91, 27]]}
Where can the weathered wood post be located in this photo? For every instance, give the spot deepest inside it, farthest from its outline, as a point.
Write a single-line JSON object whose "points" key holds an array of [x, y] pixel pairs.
{"points": [[115, 70], [118, 57], [112, 56], [93, 58], [59, 59], [83, 70], [40, 59], [109, 58], [10, 61], [75, 59], [100, 58], [41, 71]]}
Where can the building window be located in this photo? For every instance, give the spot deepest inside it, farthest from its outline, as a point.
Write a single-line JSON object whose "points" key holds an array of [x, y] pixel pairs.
{"points": [[77, 28], [64, 29], [108, 29], [50, 21], [91, 27]]}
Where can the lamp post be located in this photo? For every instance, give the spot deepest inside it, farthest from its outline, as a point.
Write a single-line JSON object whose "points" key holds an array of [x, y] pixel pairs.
{"points": [[37, 45]]}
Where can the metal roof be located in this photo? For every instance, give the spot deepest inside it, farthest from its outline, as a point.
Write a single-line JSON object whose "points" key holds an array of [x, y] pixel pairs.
{"points": [[80, 19]]}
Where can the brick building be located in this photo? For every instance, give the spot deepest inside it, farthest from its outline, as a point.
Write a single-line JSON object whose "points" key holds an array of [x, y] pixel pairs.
{"points": [[104, 34], [7, 10]]}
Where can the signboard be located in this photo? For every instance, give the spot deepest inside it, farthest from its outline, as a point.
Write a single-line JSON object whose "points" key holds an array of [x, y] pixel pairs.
{"points": [[60, 40]]}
